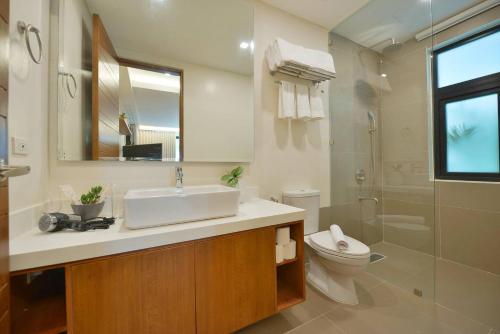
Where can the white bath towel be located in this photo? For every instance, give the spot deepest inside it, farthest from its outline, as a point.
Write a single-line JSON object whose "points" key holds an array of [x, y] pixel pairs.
{"points": [[303, 106], [338, 237], [317, 111], [286, 106]]}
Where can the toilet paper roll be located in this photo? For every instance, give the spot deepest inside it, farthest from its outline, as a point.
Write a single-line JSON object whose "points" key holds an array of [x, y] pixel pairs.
{"points": [[290, 250], [279, 253], [283, 235]]}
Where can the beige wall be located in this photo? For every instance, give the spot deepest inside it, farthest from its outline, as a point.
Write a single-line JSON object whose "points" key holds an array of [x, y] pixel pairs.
{"points": [[287, 155], [407, 186], [468, 214], [354, 92], [28, 113]]}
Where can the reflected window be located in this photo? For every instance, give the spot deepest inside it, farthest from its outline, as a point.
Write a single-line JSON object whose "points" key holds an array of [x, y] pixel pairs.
{"points": [[466, 104]]}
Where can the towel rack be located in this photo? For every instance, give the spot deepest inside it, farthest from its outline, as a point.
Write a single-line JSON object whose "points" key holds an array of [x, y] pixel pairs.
{"points": [[26, 29], [300, 72], [315, 83]]}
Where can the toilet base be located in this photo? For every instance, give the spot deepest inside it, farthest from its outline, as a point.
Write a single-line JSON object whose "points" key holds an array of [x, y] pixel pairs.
{"points": [[335, 286]]}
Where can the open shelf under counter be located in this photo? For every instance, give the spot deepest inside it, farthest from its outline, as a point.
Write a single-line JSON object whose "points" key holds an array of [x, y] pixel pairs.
{"points": [[290, 274], [38, 302], [285, 262]]}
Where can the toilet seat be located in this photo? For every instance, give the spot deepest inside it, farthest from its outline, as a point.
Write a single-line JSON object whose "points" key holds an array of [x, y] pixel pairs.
{"points": [[322, 242]]}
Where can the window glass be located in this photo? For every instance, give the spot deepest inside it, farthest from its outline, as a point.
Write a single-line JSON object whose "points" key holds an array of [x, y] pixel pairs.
{"points": [[469, 61], [472, 135]]}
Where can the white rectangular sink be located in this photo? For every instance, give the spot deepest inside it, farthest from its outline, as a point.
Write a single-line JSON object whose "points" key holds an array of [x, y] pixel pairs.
{"points": [[164, 206]]}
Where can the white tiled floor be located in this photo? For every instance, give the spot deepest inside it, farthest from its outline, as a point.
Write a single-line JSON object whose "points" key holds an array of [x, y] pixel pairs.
{"points": [[387, 306]]}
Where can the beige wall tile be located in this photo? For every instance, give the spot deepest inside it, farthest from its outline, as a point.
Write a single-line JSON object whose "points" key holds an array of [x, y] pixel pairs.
{"points": [[419, 238], [471, 237], [478, 196], [472, 293]]}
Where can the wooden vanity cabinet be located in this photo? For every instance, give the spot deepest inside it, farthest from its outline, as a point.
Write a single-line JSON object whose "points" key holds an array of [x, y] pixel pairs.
{"points": [[145, 292], [216, 285], [235, 281]]}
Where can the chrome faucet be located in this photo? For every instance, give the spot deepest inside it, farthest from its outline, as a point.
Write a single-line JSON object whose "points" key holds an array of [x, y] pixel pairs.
{"points": [[178, 177]]}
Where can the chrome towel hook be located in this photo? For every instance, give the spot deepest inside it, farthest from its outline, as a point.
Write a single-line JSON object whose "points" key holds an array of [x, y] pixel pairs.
{"points": [[26, 29]]}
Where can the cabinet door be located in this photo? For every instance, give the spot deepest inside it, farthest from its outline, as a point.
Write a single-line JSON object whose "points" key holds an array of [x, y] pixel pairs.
{"points": [[146, 292], [235, 281]]}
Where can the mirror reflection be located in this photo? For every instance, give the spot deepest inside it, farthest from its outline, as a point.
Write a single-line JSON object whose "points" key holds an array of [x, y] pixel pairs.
{"points": [[162, 81]]}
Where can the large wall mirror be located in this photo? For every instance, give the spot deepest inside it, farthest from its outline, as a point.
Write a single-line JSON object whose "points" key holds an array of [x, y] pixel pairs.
{"points": [[159, 80]]}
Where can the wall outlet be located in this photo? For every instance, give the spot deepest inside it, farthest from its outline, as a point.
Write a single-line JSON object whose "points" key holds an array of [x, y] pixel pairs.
{"points": [[19, 146]]}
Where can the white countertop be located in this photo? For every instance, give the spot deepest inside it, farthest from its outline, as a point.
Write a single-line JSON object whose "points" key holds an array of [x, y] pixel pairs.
{"points": [[37, 249]]}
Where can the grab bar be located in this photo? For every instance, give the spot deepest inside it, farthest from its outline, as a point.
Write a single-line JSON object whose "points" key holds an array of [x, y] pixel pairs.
{"points": [[26, 29]]}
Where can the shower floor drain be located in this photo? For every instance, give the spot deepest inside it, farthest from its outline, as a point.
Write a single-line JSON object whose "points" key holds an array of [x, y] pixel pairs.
{"points": [[375, 257]]}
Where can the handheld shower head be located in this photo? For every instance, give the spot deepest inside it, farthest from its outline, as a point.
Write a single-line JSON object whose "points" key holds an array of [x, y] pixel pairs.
{"points": [[373, 122]]}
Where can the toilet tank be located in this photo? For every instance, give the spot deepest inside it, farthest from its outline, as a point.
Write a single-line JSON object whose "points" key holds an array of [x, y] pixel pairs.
{"points": [[307, 199]]}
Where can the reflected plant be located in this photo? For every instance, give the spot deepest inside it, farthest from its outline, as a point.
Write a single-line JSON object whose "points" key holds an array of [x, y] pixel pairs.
{"points": [[461, 131]]}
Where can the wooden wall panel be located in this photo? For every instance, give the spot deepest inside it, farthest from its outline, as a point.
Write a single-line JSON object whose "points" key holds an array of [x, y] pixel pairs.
{"points": [[105, 94], [4, 190]]}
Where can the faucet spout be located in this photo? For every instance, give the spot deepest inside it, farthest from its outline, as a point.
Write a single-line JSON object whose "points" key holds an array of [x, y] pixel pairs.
{"points": [[179, 177]]}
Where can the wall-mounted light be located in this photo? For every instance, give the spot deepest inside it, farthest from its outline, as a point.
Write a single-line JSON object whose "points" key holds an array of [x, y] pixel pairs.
{"points": [[246, 45], [158, 128]]}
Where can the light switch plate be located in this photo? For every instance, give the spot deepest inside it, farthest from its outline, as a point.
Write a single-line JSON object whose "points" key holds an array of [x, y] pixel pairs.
{"points": [[19, 146]]}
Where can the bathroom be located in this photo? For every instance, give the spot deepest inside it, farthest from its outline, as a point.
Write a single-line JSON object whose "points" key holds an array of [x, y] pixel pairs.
{"points": [[375, 163]]}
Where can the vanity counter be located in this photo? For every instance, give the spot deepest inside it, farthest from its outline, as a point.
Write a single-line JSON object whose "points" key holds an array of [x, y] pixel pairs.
{"points": [[35, 249]]}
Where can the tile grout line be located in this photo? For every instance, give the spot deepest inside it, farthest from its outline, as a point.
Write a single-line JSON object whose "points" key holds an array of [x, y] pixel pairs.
{"points": [[305, 323], [337, 326], [477, 322]]}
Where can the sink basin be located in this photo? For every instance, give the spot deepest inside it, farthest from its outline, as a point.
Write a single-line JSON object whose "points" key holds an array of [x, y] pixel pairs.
{"points": [[164, 206]]}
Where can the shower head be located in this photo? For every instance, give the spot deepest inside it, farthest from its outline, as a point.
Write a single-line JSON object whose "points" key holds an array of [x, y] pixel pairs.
{"points": [[394, 46]]}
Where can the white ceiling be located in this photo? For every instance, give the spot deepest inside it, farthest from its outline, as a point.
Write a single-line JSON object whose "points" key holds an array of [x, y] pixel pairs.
{"points": [[380, 20], [195, 31], [326, 13]]}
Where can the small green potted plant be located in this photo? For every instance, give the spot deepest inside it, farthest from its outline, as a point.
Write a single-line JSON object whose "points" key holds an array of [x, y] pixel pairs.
{"points": [[232, 179], [91, 204]]}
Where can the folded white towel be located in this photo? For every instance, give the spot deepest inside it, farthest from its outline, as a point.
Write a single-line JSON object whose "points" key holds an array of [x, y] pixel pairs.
{"points": [[282, 53], [317, 111], [303, 106], [320, 61], [338, 237], [286, 106], [287, 52]]}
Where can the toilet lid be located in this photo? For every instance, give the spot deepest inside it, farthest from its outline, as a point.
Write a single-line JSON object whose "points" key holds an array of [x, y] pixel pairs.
{"points": [[323, 241]]}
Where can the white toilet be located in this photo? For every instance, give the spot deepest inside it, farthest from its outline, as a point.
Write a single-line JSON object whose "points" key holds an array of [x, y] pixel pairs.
{"points": [[329, 270]]}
